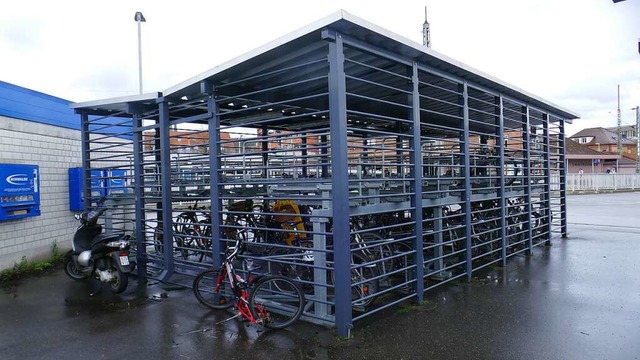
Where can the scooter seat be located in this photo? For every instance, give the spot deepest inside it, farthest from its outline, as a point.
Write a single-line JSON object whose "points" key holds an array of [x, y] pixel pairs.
{"points": [[106, 238]]}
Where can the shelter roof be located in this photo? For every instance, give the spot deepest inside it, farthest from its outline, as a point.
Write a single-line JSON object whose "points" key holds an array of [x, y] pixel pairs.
{"points": [[310, 36]]}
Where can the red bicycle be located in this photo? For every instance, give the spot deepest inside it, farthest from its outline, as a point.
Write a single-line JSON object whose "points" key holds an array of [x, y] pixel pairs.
{"points": [[272, 301]]}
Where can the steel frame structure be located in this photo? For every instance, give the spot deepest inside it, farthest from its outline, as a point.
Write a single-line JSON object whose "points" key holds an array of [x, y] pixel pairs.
{"points": [[370, 169]]}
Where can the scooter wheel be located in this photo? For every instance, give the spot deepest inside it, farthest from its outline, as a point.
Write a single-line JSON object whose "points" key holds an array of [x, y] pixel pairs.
{"points": [[71, 269], [119, 284]]}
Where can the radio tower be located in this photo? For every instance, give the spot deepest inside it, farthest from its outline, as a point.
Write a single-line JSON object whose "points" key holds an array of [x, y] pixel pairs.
{"points": [[426, 34]]}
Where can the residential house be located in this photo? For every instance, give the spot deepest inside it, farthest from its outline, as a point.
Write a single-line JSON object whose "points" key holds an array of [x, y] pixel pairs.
{"points": [[605, 141]]}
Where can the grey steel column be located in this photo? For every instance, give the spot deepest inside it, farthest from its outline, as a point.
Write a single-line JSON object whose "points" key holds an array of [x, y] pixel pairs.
{"points": [[563, 179], [265, 151], [464, 139], [138, 192], [165, 185], [526, 153], [305, 172], [502, 190], [340, 187], [547, 177], [324, 169], [416, 200], [214, 172]]}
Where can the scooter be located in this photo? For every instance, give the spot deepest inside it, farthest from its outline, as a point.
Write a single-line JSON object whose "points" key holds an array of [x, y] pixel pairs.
{"points": [[99, 256]]}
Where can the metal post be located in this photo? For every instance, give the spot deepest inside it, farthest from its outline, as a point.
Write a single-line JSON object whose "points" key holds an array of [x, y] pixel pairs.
{"points": [[324, 169], [165, 184], [416, 200], [139, 57], [547, 177], [86, 160], [139, 18], [340, 187], [138, 191], [619, 116], [563, 179], [464, 139], [304, 154], [264, 132], [214, 171], [526, 146], [502, 188]]}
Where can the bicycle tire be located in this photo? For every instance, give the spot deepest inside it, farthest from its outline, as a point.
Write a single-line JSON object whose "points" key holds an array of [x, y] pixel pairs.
{"points": [[204, 288], [364, 276], [363, 282], [276, 301]]}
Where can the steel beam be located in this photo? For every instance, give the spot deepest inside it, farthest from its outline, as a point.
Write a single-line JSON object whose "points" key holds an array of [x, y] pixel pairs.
{"points": [[416, 169], [165, 184], [466, 159], [526, 154], [340, 187], [214, 172], [563, 179], [138, 192], [502, 187], [547, 176]]}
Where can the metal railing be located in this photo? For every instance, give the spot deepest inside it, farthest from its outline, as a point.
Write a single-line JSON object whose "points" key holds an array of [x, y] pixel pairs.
{"points": [[602, 182]]}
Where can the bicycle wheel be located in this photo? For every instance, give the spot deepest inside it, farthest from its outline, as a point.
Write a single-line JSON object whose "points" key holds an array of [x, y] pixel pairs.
{"points": [[381, 252], [213, 290], [363, 284], [158, 240], [276, 301], [300, 267]]}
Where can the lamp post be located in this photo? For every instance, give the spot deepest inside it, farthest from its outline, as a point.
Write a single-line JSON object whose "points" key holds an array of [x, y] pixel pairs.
{"points": [[139, 18]]}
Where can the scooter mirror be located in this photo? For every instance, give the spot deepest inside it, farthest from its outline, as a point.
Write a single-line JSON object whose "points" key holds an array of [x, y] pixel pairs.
{"points": [[77, 216]]}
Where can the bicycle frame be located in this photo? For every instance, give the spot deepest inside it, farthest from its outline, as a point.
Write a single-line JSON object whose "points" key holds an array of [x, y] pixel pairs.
{"points": [[239, 287]]}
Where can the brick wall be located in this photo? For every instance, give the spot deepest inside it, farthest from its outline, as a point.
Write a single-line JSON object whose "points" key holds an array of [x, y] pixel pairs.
{"points": [[54, 149]]}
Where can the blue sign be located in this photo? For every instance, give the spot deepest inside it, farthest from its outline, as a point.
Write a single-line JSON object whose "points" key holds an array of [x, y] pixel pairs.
{"points": [[117, 182], [76, 186], [19, 191]]}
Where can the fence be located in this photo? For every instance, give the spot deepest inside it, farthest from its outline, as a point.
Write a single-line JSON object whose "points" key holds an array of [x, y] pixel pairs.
{"points": [[602, 182]]}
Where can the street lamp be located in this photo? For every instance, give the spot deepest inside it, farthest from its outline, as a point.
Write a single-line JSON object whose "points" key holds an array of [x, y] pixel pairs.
{"points": [[139, 18]]}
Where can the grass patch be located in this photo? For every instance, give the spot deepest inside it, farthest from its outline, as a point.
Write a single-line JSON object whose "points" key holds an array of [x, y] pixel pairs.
{"points": [[28, 268], [412, 306]]}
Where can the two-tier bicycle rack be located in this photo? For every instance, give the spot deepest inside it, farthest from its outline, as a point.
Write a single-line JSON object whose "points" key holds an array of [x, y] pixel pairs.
{"points": [[452, 169]]}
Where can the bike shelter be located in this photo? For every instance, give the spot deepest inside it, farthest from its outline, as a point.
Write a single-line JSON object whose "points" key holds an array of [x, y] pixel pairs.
{"points": [[400, 168]]}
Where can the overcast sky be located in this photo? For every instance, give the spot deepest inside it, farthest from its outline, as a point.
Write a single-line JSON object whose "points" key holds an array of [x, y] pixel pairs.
{"points": [[573, 53]]}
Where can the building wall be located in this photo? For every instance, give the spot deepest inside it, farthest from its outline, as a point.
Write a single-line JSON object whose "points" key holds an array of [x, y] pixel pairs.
{"points": [[628, 150], [54, 149]]}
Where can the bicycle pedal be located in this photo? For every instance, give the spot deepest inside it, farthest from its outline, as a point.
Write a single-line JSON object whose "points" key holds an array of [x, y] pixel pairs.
{"points": [[231, 318]]}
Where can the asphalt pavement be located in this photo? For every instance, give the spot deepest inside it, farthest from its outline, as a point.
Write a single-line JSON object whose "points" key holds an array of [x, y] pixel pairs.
{"points": [[578, 299]]}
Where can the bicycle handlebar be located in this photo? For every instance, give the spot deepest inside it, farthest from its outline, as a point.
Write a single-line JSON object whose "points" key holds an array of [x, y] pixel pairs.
{"points": [[238, 249]]}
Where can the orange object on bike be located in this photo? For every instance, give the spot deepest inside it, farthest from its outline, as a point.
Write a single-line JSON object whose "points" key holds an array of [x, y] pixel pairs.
{"points": [[289, 219]]}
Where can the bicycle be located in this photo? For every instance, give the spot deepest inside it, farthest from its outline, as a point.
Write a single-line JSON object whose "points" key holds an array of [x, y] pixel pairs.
{"points": [[272, 301]]}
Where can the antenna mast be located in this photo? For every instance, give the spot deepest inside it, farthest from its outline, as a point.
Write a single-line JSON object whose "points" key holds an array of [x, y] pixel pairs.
{"points": [[619, 124], [426, 34]]}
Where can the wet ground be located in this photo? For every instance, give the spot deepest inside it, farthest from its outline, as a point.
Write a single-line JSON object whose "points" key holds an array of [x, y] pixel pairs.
{"points": [[579, 299]]}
